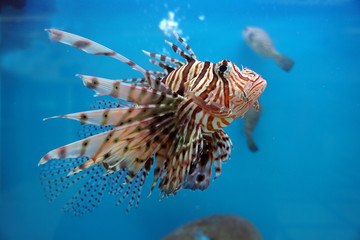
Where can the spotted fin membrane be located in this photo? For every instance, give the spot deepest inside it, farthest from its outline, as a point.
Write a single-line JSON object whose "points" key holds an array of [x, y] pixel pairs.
{"points": [[55, 180]]}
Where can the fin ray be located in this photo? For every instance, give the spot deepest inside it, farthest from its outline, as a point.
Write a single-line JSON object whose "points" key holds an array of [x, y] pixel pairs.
{"points": [[95, 48], [125, 91]]}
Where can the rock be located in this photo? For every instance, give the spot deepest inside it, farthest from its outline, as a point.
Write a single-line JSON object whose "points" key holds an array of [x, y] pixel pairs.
{"points": [[217, 227]]}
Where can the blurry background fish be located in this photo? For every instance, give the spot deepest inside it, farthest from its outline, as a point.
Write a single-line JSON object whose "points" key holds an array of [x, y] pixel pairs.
{"points": [[250, 120], [259, 41]]}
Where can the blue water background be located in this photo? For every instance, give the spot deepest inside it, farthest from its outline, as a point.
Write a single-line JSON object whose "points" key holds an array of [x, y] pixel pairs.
{"points": [[303, 183]]}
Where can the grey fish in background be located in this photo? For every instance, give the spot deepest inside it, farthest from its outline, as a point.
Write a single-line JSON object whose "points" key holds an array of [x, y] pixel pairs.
{"points": [[259, 41], [250, 120]]}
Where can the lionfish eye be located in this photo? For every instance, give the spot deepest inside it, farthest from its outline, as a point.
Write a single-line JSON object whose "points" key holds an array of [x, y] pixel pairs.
{"points": [[222, 68]]}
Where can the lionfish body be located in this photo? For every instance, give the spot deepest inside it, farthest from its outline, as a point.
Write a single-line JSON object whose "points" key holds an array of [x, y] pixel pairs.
{"points": [[172, 120]]}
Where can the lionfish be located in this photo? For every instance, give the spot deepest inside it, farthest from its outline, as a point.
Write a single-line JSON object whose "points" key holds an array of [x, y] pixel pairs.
{"points": [[172, 119]]}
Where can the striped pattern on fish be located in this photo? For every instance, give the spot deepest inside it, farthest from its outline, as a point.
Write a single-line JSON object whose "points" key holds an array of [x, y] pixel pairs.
{"points": [[174, 120]]}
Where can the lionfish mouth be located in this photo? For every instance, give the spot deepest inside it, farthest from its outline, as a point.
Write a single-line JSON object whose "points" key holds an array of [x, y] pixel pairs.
{"points": [[260, 85], [257, 89]]}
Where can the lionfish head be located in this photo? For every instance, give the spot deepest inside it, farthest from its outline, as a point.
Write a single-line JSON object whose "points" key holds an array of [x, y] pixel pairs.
{"points": [[245, 87]]}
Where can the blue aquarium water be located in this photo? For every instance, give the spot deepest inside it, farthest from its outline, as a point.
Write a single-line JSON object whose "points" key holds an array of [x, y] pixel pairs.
{"points": [[302, 183]]}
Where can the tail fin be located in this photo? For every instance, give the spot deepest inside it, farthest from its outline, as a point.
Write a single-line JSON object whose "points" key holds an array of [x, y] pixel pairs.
{"points": [[284, 62], [251, 144]]}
